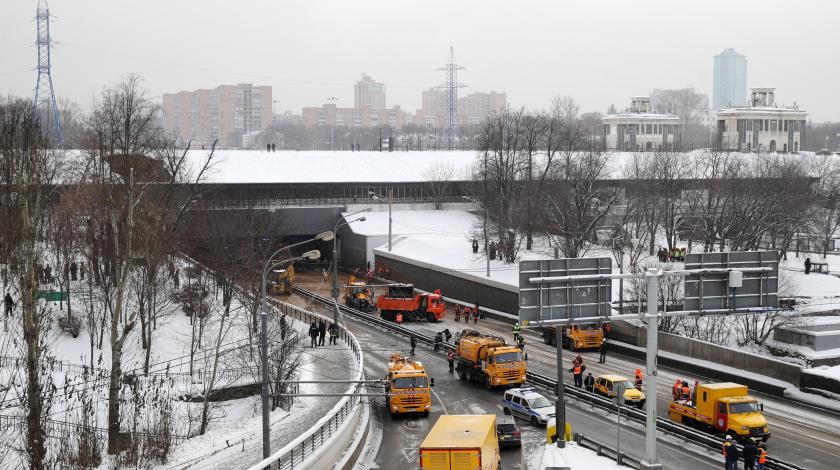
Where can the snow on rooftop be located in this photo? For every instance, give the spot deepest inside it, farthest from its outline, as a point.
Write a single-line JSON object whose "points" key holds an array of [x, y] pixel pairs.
{"points": [[259, 166], [639, 116], [436, 222]]}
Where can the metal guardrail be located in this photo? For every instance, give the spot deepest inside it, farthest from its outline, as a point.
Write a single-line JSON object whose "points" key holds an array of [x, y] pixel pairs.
{"points": [[295, 453], [55, 428], [693, 435], [622, 458]]}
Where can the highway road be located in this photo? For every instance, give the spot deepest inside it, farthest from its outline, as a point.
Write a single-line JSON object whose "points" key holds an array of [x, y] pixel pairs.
{"points": [[402, 437]]}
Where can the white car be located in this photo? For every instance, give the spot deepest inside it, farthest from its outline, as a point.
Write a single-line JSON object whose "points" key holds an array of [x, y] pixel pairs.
{"points": [[527, 404]]}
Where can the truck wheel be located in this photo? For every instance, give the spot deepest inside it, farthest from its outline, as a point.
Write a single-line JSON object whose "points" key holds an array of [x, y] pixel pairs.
{"points": [[534, 421], [469, 375], [461, 373], [488, 383], [430, 317]]}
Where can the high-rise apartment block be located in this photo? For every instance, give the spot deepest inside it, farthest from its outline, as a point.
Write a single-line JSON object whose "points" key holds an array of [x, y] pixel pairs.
{"points": [[730, 80], [369, 93], [222, 114]]}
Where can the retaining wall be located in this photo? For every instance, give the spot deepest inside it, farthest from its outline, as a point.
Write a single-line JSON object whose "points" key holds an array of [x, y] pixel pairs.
{"points": [[820, 382]]}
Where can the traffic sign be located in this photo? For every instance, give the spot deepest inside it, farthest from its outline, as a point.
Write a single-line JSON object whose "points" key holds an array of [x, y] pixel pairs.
{"points": [[567, 299], [730, 288]]}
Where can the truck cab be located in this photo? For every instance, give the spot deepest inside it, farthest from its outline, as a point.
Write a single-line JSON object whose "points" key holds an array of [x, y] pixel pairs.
{"points": [[408, 387], [743, 415]]}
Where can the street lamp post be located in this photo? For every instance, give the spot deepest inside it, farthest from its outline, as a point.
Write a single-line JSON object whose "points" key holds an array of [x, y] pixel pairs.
{"points": [[341, 223], [390, 220], [268, 266]]}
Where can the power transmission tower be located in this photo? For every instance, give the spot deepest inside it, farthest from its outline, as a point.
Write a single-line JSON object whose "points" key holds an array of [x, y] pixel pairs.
{"points": [[45, 106], [451, 87]]}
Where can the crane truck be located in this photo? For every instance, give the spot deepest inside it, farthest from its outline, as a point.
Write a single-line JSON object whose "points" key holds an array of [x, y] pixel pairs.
{"points": [[408, 387], [487, 359]]}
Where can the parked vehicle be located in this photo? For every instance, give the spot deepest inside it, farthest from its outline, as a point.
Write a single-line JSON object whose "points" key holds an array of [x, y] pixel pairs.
{"points": [[529, 405], [725, 408], [606, 385], [508, 432], [409, 387], [461, 442], [401, 299], [487, 359]]}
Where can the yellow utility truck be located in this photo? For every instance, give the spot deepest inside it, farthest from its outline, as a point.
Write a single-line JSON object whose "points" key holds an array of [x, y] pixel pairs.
{"points": [[584, 336], [409, 388], [725, 408], [487, 359], [461, 442], [281, 280]]}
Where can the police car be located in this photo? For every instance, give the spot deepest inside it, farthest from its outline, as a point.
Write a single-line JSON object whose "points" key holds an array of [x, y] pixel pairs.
{"points": [[527, 404]]}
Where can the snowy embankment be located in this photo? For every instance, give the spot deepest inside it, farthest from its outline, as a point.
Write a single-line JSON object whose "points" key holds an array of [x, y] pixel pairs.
{"points": [[572, 456]]}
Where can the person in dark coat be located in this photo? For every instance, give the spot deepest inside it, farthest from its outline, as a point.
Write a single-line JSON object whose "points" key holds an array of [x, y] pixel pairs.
{"points": [[74, 269], [413, 343], [475, 246], [730, 453], [450, 358], [447, 335], [589, 382], [322, 332], [438, 340], [313, 334], [333, 333], [807, 265], [749, 452], [602, 351], [8, 303]]}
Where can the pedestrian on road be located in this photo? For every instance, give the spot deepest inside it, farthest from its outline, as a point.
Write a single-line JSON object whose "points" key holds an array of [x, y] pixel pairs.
{"points": [[807, 265], [750, 453], [516, 330], [447, 335], [458, 313], [322, 332], [589, 382], [450, 358], [413, 344], [762, 456], [578, 374], [313, 334], [521, 343], [333, 333], [602, 352], [475, 314], [438, 340], [730, 454], [639, 379]]}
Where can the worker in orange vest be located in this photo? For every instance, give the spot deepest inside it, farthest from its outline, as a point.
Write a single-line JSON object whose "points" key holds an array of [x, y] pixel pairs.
{"points": [[458, 313], [399, 318], [639, 379], [685, 391], [577, 370], [762, 456], [675, 392]]}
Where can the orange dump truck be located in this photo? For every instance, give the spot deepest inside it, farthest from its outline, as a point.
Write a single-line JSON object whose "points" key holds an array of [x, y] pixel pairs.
{"points": [[402, 300], [585, 336], [408, 387], [725, 408], [487, 359], [461, 442]]}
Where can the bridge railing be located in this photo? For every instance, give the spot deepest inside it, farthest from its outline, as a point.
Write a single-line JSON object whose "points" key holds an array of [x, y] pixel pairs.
{"points": [[295, 453]]}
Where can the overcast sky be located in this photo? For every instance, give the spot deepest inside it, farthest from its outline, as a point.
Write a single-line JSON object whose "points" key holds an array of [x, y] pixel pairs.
{"points": [[600, 52]]}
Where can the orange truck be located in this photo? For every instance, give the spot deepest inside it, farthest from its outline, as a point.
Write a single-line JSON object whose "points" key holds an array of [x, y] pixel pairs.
{"points": [[585, 336], [402, 300], [488, 360], [725, 408], [461, 442], [409, 387]]}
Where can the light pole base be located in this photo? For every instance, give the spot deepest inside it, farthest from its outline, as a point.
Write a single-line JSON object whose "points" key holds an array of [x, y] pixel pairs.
{"points": [[649, 466]]}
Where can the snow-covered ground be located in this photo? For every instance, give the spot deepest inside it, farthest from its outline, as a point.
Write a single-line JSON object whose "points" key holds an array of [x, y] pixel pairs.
{"points": [[572, 456]]}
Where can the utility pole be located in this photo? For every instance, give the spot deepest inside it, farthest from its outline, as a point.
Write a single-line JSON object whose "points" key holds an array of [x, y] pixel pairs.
{"points": [[652, 279], [450, 69], [332, 99], [390, 219], [44, 102], [560, 404]]}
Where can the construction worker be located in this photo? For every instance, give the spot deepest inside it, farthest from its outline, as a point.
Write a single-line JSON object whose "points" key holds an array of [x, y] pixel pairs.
{"points": [[578, 374], [762, 456], [602, 351], [333, 333], [685, 391], [749, 452], [677, 390], [399, 319], [450, 358], [413, 343], [730, 453], [458, 313], [521, 343], [639, 379], [475, 314], [516, 329], [447, 335]]}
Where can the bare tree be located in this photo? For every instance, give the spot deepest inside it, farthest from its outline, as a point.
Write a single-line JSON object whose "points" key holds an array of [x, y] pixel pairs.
{"points": [[438, 178]]}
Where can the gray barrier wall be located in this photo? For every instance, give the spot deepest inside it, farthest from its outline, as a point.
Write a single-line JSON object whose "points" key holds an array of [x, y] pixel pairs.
{"points": [[692, 348]]}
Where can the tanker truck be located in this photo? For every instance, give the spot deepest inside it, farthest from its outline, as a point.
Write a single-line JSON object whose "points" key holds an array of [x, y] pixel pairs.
{"points": [[487, 359]]}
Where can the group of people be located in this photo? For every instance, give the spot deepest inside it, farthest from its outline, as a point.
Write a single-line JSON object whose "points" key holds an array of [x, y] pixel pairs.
{"points": [[439, 338], [682, 392], [501, 249], [72, 272], [751, 452], [467, 312], [318, 332], [674, 254]]}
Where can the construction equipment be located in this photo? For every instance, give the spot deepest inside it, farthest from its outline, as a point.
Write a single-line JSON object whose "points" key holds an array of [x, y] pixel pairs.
{"points": [[409, 388], [487, 359], [583, 336], [281, 280], [461, 442], [725, 408], [358, 295], [401, 299]]}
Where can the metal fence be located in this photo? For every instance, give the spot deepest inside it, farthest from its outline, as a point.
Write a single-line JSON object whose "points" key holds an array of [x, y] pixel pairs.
{"points": [[605, 451], [295, 453]]}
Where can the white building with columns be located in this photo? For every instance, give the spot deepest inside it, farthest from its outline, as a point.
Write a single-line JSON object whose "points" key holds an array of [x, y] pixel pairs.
{"points": [[639, 129], [762, 126]]}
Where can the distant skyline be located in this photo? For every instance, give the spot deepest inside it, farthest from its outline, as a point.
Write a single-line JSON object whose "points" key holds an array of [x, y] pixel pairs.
{"points": [[600, 53]]}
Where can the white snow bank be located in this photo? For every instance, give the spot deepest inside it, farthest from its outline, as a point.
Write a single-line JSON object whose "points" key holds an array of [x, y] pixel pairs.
{"points": [[454, 224], [830, 372], [573, 456]]}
